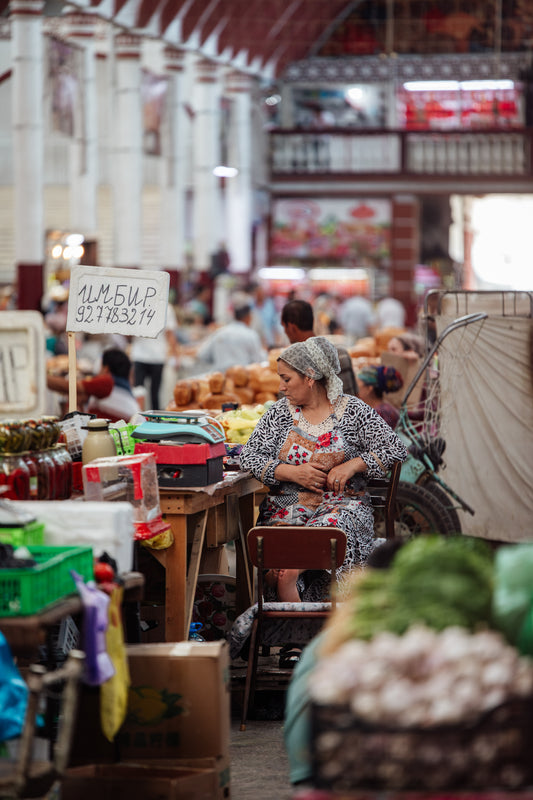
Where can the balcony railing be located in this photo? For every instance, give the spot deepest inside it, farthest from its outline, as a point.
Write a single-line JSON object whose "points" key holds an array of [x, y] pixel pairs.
{"points": [[490, 153]]}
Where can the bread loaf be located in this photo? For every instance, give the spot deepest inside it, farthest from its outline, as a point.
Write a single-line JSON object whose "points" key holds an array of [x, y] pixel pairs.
{"points": [[238, 375], [265, 397]]}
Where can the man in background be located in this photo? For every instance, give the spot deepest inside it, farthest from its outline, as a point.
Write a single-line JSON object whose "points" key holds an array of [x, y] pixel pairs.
{"points": [[234, 344], [265, 315], [357, 318], [150, 355], [298, 321], [107, 394], [390, 313]]}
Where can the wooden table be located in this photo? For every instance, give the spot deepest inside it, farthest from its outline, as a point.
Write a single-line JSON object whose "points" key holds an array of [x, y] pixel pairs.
{"points": [[204, 518]]}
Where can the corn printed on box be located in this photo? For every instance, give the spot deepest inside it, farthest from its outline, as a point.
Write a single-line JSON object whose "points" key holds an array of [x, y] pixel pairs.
{"points": [[179, 701]]}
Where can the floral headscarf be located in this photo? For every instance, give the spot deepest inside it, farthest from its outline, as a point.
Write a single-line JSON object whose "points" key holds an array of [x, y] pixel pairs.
{"points": [[316, 358]]}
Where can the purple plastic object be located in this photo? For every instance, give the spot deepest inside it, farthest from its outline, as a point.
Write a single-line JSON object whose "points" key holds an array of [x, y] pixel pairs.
{"points": [[98, 665]]}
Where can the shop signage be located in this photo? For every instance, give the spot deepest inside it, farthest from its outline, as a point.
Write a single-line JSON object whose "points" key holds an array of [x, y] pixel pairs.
{"points": [[132, 302], [22, 364]]}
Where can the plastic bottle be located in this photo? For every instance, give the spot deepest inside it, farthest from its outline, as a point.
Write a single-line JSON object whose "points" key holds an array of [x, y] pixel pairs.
{"points": [[98, 443], [194, 634]]}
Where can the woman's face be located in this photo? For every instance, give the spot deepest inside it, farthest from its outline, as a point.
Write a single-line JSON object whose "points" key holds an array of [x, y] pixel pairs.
{"points": [[395, 346], [295, 386]]}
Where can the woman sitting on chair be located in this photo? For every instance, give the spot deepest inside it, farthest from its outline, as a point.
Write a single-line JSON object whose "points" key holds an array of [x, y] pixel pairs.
{"points": [[315, 448]]}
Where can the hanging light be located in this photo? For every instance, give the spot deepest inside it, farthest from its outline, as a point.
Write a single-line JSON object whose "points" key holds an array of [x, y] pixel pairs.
{"points": [[225, 172]]}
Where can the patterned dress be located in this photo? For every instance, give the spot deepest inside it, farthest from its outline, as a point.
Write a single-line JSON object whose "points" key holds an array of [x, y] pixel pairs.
{"points": [[283, 435]]}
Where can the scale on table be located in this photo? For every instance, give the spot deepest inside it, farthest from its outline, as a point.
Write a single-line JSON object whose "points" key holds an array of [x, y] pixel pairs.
{"points": [[189, 446]]}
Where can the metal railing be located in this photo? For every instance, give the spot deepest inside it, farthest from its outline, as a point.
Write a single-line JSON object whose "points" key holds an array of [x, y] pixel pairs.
{"points": [[501, 153]]}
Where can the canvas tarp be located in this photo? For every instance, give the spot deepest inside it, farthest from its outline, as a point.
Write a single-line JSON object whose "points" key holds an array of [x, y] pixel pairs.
{"points": [[486, 386]]}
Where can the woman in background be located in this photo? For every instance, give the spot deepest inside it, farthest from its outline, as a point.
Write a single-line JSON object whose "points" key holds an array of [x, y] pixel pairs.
{"points": [[374, 382], [408, 345]]}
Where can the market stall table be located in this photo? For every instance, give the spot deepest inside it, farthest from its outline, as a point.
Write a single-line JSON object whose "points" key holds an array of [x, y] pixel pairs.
{"points": [[25, 635], [205, 517]]}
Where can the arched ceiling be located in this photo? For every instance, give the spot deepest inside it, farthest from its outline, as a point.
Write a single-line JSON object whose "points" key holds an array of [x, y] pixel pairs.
{"points": [[261, 36], [265, 36]]}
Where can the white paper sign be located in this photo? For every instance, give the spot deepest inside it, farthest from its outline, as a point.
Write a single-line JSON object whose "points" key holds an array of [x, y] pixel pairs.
{"points": [[132, 302], [22, 364]]}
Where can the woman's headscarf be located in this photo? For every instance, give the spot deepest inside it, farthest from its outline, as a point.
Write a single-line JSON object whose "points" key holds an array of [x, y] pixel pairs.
{"points": [[383, 379], [316, 358]]}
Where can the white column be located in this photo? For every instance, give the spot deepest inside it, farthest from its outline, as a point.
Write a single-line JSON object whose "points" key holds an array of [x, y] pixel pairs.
{"points": [[84, 153], [127, 166], [208, 228], [239, 195], [28, 151], [175, 166]]}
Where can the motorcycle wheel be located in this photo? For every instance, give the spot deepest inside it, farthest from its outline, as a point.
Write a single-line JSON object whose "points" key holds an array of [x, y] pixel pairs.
{"points": [[419, 511], [446, 501]]}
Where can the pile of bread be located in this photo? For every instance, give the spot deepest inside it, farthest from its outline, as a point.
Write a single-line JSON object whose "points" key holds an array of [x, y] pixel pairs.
{"points": [[259, 383], [370, 348], [244, 385]]}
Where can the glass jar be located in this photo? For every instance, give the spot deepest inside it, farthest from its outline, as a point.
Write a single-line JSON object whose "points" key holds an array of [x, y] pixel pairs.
{"points": [[45, 475], [29, 460], [98, 443], [14, 477], [63, 471], [36, 434], [52, 430], [19, 436]]}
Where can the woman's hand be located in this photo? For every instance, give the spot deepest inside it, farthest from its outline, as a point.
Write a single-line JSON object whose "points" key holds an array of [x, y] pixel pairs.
{"points": [[309, 476], [339, 476]]}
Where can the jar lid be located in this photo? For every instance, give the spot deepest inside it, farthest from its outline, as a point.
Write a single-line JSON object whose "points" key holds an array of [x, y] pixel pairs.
{"points": [[98, 424]]}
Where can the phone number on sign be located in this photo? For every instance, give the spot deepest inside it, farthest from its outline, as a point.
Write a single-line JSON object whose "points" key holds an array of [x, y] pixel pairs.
{"points": [[114, 314]]}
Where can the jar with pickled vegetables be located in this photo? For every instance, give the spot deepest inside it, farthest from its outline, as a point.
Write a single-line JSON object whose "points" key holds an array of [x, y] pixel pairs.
{"points": [[14, 436], [29, 460], [51, 429], [14, 477], [63, 471]]}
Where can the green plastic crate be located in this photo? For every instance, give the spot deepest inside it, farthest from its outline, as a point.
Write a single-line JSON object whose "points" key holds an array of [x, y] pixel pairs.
{"points": [[28, 591], [31, 534], [124, 443]]}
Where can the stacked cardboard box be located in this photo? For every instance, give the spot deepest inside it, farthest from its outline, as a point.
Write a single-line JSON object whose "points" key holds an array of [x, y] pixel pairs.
{"points": [[178, 719], [139, 782]]}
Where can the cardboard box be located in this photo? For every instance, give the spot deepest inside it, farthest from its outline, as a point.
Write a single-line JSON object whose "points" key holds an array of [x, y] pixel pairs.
{"points": [[221, 767], [139, 782], [179, 702]]}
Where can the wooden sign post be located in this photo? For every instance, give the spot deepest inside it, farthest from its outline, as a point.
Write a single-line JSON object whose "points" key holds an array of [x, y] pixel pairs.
{"points": [[132, 302]]}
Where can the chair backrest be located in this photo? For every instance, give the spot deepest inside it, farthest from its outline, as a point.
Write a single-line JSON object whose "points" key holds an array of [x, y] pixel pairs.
{"points": [[382, 493], [296, 547]]}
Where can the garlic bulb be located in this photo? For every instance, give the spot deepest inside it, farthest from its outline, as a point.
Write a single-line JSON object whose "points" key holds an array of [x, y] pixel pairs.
{"points": [[423, 678]]}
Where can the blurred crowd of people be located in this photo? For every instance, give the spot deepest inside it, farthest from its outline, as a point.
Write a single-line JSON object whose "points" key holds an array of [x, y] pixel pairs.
{"points": [[216, 324]]}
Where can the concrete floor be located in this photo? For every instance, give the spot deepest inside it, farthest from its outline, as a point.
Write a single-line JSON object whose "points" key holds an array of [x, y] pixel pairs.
{"points": [[259, 766]]}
